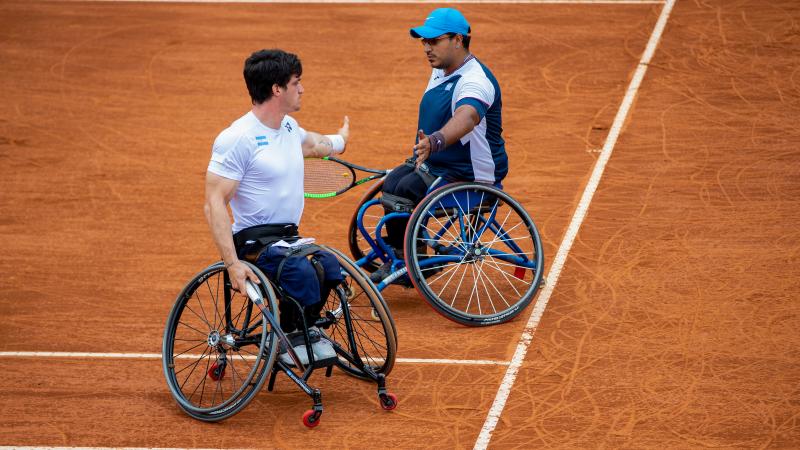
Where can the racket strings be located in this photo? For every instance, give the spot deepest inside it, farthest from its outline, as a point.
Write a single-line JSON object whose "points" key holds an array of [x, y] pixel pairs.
{"points": [[323, 176]]}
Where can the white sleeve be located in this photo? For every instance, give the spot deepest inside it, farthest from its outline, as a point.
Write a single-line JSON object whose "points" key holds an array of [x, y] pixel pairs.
{"points": [[301, 132], [478, 88], [230, 156]]}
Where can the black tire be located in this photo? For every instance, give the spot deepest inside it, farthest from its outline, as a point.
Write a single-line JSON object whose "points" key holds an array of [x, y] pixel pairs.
{"points": [[373, 328], [198, 335], [479, 279], [358, 246]]}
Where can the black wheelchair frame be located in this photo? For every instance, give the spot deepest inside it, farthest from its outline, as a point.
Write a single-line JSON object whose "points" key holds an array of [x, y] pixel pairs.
{"points": [[241, 339]]}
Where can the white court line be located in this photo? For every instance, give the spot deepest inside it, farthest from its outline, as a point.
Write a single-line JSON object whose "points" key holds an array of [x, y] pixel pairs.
{"points": [[572, 231], [549, 2], [89, 355]]}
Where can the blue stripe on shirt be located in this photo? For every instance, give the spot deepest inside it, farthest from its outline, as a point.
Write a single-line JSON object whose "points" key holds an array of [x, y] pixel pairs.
{"points": [[475, 103]]}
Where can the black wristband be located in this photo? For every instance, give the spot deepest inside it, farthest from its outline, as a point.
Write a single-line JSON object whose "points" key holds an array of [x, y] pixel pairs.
{"points": [[437, 141]]}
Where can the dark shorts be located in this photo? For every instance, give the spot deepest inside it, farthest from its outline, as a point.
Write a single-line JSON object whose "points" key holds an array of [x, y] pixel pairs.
{"points": [[402, 181], [298, 277]]}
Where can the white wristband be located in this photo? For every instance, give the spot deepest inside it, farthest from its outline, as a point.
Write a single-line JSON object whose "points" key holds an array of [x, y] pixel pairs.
{"points": [[337, 143]]}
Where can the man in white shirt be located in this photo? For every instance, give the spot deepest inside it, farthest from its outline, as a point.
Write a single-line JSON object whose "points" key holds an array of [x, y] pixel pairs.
{"points": [[257, 167]]}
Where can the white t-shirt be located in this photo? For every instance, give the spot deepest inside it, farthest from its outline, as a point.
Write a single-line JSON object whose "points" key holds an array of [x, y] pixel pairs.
{"points": [[268, 164]]}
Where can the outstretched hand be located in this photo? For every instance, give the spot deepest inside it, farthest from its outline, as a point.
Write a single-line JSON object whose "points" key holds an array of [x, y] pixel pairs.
{"points": [[423, 148], [345, 130]]}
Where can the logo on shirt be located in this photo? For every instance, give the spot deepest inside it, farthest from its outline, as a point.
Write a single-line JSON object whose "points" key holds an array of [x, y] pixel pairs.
{"points": [[288, 127], [261, 141], [449, 85]]}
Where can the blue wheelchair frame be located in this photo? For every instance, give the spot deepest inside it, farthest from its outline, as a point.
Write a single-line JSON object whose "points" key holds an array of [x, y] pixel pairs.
{"points": [[382, 251]]}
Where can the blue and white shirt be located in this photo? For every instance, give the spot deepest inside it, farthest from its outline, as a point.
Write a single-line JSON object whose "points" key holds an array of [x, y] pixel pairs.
{"points": [[480, 155], [268, 164]]}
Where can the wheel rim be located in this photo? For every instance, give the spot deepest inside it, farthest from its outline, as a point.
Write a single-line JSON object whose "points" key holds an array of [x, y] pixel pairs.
{"points": [[374, 336], [358, 245], [199, 338], [479, 276]]}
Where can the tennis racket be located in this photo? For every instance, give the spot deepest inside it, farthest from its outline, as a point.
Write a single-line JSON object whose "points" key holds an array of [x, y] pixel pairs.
{"points": [[329, 177]]}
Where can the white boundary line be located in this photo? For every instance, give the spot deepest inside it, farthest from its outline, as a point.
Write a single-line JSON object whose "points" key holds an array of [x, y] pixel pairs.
{"points": [[565, 2], [88, 355], [572, 231]]}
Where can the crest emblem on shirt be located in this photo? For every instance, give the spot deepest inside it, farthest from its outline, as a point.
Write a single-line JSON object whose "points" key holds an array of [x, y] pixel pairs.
{"points": [[261, 141], [288, 127], [449, 85]]}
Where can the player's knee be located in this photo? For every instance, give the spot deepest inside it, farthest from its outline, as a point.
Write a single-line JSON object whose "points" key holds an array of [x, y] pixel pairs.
{"points": [[332, 271], [299, 279]]}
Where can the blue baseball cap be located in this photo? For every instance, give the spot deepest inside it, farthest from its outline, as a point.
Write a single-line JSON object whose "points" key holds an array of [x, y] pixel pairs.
{"points": [[441, 21]]}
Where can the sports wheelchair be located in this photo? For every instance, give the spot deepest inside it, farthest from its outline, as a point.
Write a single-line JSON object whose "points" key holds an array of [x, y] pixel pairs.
{"points": [[470, 250], [220, 346]]}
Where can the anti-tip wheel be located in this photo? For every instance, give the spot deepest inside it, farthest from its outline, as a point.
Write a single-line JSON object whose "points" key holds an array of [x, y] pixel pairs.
{"points": [[311, 418], [217, 371], [388, 401]]}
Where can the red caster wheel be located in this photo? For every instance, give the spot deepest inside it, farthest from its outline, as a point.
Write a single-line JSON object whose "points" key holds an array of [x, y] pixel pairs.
{"points": [[311, 418], [388, 401], [217, 371]]}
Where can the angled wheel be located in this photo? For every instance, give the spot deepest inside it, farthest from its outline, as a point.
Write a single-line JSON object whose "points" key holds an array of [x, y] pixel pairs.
{"points": [[369, 336], [474, 254], [388, 401], [358, 246], [217, 370], [311, 418], [218, 347]]}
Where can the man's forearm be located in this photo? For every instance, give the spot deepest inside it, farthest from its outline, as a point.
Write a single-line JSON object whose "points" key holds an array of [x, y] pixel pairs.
{"points": [[320, 146], [462, 122], [220, 224]]}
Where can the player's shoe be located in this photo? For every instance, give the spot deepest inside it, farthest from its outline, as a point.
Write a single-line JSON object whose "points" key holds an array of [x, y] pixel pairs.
{"points": [[384, 271], [321, 347]]}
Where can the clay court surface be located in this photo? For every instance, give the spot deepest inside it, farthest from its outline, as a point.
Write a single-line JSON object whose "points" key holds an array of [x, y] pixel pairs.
{"points": [[674, 322]]}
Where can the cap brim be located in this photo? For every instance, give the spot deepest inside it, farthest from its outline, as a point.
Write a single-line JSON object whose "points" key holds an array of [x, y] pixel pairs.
{"points": [[426, 32]]}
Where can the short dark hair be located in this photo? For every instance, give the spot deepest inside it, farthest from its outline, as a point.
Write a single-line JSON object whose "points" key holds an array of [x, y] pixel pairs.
{"points": [[268, 67], [465, 38]]}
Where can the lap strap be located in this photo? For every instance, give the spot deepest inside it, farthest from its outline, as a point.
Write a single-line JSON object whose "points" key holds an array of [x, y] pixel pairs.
{"points": [[264, 234], [250, 242]]}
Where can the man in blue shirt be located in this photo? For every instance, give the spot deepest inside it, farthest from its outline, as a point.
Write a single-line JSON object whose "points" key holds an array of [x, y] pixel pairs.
{"points": [[459, 135]]}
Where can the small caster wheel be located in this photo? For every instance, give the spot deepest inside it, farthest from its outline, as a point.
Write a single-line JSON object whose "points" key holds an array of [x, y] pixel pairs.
{"points": [[217, 371], [311, 418], [388, 401]]}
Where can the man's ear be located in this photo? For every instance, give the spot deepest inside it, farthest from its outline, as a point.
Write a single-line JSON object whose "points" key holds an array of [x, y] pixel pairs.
{"points": [[276, 90]]}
